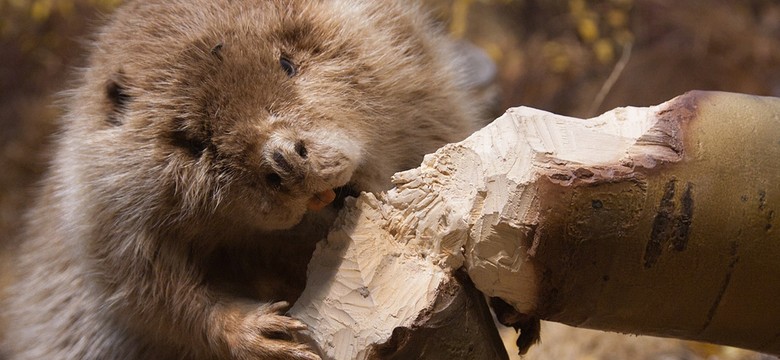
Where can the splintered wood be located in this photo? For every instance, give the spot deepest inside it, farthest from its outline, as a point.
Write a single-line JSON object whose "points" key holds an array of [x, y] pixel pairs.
{"points": [[657, 220]]}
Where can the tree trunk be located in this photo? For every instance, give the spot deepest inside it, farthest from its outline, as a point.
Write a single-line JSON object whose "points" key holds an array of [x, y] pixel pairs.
{"points": [[656, 221]]}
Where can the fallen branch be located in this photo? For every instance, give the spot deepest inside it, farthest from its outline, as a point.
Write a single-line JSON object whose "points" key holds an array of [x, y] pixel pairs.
{"points": [[656, 220]]}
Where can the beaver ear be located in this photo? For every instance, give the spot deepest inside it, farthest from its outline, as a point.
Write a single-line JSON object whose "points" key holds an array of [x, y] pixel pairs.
{"points": [[118, 97], [478, 75]]}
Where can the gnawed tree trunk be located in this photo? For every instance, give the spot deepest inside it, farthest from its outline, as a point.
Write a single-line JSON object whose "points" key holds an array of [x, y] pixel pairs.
{"points": [[658, 221]]}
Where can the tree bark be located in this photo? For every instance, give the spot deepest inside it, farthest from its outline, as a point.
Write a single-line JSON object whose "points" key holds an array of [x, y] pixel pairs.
{"points": [[658, 220]]}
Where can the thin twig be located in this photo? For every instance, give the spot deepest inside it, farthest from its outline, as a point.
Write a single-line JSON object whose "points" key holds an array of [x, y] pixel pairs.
{"points": [[611, 80]]}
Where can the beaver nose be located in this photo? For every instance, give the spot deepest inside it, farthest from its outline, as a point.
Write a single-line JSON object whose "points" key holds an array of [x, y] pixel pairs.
{"points": [[287, 164], [300, 149], [281, 162]]}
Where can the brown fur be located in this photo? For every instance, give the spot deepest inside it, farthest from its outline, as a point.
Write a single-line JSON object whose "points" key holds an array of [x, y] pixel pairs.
{"points": [[175, 206]]}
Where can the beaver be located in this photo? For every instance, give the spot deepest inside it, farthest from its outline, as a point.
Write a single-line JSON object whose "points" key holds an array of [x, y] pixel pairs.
{"points": [[199, 156]]}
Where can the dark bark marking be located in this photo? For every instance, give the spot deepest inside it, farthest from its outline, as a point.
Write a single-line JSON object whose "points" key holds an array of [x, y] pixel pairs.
{"points": [[671, 224], [561, 177], [723, 287], [596, 204], [661, 225], [682, 223], [762, 206], [583, 173]]}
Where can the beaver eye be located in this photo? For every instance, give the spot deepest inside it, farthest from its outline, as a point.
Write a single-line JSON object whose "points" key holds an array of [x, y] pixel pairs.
{"points": [[288, 66]]}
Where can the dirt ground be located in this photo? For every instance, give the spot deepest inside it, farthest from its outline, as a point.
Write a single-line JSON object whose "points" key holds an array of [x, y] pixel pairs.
{"points": [[573, 57]]}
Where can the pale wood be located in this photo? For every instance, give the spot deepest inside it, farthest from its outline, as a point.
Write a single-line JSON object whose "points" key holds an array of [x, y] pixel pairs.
{"points": [[657, 220]]}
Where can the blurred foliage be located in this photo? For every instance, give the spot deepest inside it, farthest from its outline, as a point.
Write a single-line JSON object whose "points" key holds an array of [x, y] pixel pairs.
{"points": [[29, 22], [602, 25], [40, 44], [460, 13], [582, 57]]}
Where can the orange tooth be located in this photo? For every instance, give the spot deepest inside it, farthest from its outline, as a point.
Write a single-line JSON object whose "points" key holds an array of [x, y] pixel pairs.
{"points": [[321, 200]]}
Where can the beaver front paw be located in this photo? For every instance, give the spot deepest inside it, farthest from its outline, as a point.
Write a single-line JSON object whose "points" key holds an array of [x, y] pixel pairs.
{"points": [[264, 333]]}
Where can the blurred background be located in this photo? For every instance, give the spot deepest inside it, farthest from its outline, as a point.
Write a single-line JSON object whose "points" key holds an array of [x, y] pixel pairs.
{"points": [[571, 57]]}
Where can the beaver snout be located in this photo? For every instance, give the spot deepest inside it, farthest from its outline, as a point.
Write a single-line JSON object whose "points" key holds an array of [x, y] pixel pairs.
{"points": [[307, 167]]}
